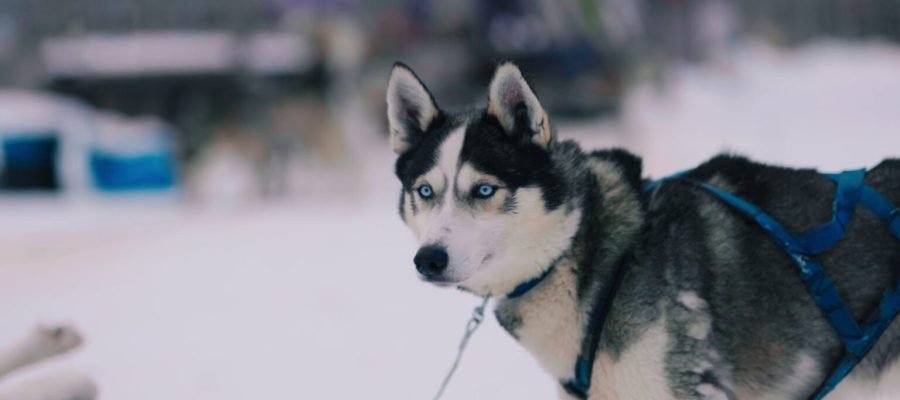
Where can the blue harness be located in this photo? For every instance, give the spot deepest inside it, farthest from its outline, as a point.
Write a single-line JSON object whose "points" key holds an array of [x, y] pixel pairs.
{"points": [[857, 340]]}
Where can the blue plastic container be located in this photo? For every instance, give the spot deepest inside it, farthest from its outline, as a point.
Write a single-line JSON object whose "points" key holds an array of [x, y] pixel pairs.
{"points": [[113, 172], [30, 161]]}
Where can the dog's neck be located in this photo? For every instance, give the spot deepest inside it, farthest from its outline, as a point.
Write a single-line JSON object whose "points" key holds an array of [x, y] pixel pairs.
{"points": [[549, 320]]}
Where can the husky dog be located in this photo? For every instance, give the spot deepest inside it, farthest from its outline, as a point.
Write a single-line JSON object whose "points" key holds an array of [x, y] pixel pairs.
{"points": [[708, 306]]}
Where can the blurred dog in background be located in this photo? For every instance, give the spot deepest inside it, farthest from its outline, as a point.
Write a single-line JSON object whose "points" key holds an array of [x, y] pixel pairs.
{"points": [[43, 342]]}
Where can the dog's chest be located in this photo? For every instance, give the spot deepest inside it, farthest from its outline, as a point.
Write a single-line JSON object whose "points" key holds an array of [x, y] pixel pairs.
{"points": [[546, 322], [551, 329]]}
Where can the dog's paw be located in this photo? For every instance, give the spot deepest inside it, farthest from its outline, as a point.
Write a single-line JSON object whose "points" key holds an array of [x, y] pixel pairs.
{"points": [[52, 339]]}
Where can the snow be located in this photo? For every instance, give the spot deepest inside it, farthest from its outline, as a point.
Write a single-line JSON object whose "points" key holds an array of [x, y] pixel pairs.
{"points": [[320, 300]]}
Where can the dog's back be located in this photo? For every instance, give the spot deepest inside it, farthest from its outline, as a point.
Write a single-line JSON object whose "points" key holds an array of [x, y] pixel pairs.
{"points": [[764, 321]]}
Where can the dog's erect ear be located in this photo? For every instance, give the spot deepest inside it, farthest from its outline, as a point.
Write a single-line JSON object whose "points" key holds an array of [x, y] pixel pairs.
{"points": [[410, 108], [515, 105]]}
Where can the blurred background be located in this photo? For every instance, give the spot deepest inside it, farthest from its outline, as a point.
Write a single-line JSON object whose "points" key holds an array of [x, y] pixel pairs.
{"points": [[204, 187]]}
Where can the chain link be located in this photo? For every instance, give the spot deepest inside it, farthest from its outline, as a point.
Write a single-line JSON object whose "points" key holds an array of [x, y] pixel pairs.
{"points": [[471, 326]]}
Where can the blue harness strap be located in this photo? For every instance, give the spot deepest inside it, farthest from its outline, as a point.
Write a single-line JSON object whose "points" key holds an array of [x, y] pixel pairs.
{"points": [[882, 208], [817, 282], [858, 341], [526, 286], [890, 303], [824, 237], [580, 383], [851, 190]]}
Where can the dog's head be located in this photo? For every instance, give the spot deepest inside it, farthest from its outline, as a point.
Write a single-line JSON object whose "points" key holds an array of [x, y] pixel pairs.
{"points": [[482, 190]]}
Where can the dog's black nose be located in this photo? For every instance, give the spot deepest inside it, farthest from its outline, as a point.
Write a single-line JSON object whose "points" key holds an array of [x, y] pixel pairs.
{"points": [[431, 261]]}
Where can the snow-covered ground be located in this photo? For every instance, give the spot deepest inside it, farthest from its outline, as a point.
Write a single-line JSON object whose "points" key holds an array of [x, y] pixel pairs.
{"points": [[320, 300]]}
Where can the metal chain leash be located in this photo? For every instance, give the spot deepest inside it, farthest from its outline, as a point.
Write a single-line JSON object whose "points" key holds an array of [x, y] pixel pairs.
{"points": [[471, 326]]}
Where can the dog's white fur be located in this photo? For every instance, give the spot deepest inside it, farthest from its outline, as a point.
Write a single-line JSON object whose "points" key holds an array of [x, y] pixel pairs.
{"points": [[472, 242]]}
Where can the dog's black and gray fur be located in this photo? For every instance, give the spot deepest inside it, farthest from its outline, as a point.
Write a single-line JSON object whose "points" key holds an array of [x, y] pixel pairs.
{"points": [[710, 307]]}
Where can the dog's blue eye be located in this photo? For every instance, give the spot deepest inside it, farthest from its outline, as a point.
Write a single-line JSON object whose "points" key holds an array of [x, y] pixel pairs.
{"points": [[425, 191], [484, 191]]}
